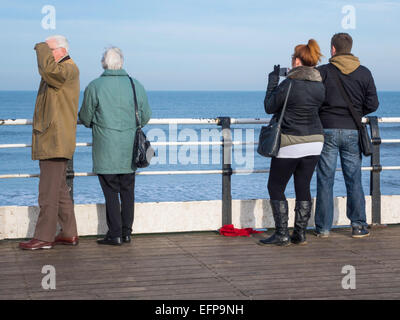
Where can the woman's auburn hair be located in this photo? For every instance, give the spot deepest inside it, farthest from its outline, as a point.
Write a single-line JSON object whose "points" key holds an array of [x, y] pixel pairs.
{"points": [[309, 54]]}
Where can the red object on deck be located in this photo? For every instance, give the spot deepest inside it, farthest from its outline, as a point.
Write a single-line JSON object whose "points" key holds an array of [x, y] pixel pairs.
{"points": [[229, 230]]}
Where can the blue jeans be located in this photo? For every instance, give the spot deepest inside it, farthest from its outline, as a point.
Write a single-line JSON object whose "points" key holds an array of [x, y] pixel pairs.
{"points": [[344, 142]]}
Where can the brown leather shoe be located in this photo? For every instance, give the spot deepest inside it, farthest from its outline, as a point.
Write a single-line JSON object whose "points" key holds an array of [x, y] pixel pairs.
{"points": [[35, 244], [67, 241]]}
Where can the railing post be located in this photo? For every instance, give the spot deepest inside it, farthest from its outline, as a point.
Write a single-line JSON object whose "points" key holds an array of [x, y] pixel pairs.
{"points": [[375, 176], [225, 123], [70, 177]]}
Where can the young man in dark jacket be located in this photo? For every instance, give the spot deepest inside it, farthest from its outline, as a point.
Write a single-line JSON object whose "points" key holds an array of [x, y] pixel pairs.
{"points": [[341, 135]]}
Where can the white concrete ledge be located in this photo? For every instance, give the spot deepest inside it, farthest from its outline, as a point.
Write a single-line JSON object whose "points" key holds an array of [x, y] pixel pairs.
{"points": [[158, 217]]}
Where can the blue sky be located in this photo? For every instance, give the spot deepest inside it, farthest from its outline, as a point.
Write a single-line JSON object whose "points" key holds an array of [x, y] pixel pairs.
{"points": [[196, 45]]}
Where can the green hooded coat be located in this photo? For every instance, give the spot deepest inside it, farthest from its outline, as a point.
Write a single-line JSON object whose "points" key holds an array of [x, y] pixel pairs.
{"points": [[108, 108]]}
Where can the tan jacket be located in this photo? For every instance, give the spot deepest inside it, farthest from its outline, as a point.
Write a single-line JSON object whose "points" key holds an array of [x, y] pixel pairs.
{"points": [[56, 109]]}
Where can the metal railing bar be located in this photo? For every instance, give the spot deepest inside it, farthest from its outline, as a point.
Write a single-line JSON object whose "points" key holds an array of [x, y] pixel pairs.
{"points": [[240, 171], [14, 122], [387, 168], [164, 121], [167, 121], [388, 119], [172, 143], [17, 145], [139, 173], [180, 172], [153, 173], [250, 120]]}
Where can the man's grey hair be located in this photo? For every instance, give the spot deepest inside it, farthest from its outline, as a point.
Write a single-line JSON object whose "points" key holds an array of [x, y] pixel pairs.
{"points": [[61, 41], [112, 58]]}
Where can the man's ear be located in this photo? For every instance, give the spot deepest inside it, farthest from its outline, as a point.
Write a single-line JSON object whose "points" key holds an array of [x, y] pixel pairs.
{"points": [[333, 51]]}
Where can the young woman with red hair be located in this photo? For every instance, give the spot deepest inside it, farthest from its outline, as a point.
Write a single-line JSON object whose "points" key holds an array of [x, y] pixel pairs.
{"points": [[301, 140]]}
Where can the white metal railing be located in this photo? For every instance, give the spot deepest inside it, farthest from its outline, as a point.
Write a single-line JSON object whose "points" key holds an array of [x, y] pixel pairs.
{"points": [[226, 145], [171, 143], [184, 121], [178, 172], [166, 121]]}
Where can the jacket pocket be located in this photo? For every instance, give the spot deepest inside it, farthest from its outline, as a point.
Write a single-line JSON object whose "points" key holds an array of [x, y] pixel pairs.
{"points": [[47, 141], [41, 127], [44, 112]]}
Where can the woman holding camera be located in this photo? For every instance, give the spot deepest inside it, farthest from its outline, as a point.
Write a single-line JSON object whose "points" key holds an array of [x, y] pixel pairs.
{"points": [[301, 140]]}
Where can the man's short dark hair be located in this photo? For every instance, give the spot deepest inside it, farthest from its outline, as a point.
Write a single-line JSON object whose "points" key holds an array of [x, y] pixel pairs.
{"points": [[342, 42]]}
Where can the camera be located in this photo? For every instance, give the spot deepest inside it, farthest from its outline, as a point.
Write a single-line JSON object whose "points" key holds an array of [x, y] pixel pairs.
{"points": [[283, 72]]}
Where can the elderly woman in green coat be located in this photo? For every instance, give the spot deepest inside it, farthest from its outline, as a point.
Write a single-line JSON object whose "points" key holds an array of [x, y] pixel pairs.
{"points": [[108, 108]]}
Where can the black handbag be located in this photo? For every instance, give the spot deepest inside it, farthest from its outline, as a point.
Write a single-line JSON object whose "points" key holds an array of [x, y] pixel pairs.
{"points": [[142, 149], [269, 141], [363, 136]]}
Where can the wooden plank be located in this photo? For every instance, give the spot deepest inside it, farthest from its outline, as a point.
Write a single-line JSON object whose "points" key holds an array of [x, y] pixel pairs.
{"points": [[207, 266]]}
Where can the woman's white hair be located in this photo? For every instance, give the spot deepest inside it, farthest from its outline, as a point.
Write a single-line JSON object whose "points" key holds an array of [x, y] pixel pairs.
{"points": [[112, 58], [62, 41]]}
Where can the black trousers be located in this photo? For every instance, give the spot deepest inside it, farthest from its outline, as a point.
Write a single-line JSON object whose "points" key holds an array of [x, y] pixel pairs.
{"points": [[282, 170], [119, 214]]}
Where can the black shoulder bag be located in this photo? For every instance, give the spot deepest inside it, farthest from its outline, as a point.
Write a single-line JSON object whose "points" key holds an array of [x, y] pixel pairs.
{"points": [[269, 141], [142, 150], [364, 139]]}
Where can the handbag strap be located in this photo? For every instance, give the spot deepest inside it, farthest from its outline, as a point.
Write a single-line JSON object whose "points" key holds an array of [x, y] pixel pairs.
{"points": [[136, 104], [346, 97], [285, 104]]}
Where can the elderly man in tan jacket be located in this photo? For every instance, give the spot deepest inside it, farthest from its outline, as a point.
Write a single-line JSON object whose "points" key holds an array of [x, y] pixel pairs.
{"points": [[53, 142]]}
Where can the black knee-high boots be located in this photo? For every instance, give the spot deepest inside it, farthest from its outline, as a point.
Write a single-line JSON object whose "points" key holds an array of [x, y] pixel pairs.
{"points": [[302, 215], [280, 212]]}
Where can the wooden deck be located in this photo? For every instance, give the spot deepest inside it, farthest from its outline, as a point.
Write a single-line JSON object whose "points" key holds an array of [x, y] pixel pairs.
{"points": [[207, 266]]}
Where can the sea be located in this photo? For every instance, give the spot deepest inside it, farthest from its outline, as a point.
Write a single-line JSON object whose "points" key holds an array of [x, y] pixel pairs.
{"points": [[188, 187]]}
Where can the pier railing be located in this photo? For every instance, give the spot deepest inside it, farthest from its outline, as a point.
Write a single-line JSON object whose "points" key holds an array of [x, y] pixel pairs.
{"points": [[226, 144]]}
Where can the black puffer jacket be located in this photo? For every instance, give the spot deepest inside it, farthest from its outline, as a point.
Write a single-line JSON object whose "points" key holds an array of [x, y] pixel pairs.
{"points": [[305, 99]]}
